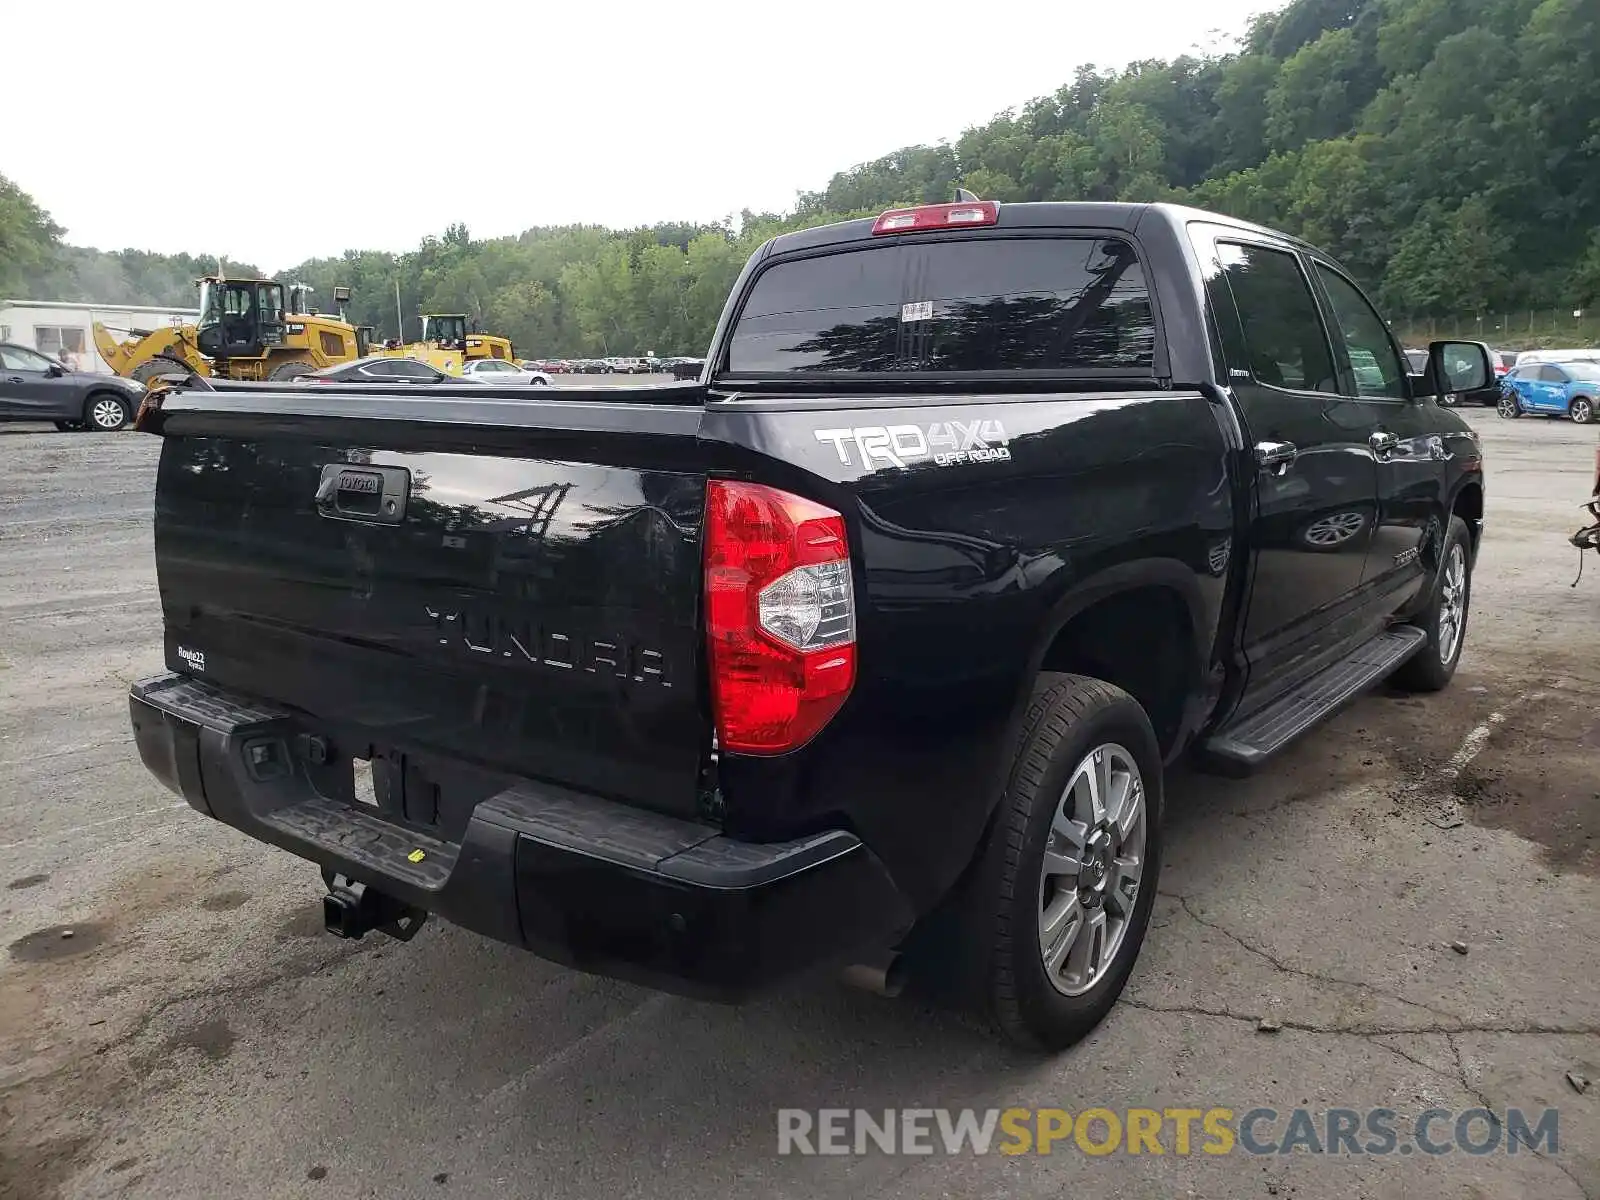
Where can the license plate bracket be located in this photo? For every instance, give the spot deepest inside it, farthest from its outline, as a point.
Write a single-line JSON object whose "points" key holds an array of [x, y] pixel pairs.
{"points": [[395, 784]]}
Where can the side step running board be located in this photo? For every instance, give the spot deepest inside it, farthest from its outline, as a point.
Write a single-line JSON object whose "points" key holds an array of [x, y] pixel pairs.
{"points": [[1251, 741]]}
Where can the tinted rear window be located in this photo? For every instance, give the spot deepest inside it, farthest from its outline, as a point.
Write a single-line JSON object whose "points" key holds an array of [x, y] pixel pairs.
{"points": [[990, 304]]}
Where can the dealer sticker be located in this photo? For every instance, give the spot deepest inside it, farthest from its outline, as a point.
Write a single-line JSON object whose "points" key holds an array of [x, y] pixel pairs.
{"points": [[920, 310]]}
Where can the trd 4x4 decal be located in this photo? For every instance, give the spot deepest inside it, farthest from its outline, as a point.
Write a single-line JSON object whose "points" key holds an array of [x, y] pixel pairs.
{"points": [[946, 443]]}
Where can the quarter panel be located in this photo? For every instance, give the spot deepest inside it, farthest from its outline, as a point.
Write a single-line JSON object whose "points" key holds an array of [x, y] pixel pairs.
{"points": [[963, 567]]}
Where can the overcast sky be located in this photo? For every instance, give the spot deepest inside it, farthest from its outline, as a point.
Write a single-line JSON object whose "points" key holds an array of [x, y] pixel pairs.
{"points": [[370, 125]]}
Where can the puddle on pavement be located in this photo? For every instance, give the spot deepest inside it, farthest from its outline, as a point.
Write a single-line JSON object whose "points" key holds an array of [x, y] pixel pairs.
{"points": [[213, 1038], [1539, 776], [307, 923], [57, 942]]}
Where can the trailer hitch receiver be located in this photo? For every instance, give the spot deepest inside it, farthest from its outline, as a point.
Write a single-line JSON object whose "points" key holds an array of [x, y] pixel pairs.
{"points": [[352, 909]]}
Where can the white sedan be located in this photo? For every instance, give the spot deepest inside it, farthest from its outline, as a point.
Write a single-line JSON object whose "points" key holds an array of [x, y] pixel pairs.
{"points": [[498, 370]]}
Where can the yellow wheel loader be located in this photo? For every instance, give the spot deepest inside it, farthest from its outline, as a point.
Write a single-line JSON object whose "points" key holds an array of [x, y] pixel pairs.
{"points": [[447, 345], [255, 329]]}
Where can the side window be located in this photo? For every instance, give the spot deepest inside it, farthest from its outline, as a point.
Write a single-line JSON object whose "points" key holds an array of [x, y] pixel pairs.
{"points": [[1373, 362], [1285, 343], [410, 368], [18, 359], [58, 339], [1549, 374]]}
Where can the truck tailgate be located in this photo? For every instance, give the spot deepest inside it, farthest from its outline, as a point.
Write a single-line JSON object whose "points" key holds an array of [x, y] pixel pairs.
{"points": [[514, 586]]}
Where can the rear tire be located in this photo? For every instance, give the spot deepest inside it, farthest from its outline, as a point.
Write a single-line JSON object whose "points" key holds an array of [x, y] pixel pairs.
{"points": [[105, 413], [1445, 618], [1581, 410], [1082, 737], [289, 370], [161, 364]]}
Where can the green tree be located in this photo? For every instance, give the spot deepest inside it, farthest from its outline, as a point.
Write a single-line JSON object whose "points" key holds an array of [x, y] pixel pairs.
{"points": [[1317, 91], [1448, 150], [28, 237], [1446, 262]]}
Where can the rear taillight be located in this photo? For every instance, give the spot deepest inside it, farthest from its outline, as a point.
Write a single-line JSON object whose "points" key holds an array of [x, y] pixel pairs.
{"points": [[780, 616], [937, 216]]}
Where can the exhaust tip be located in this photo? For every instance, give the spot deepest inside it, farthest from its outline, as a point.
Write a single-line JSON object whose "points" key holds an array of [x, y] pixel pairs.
{"points": [[883, 978]]}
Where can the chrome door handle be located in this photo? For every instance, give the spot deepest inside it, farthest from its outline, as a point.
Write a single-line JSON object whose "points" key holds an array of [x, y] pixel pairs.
{"points": [[1383, 445], [1275, 458]]}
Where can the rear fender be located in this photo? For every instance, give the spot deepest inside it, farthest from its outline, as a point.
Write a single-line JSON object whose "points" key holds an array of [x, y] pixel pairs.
{"points": [[1169, 574]]}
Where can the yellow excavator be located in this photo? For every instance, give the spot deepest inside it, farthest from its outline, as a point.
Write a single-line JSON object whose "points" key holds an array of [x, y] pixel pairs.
{"points": [[256, 329], [447, 345]]}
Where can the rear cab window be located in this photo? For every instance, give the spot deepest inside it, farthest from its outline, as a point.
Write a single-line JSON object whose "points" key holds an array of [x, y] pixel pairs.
{"points": [[1058, 304]]}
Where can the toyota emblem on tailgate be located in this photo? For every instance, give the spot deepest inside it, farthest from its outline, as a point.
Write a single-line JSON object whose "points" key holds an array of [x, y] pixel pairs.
{"points": [[375, 495], [360, 481]]}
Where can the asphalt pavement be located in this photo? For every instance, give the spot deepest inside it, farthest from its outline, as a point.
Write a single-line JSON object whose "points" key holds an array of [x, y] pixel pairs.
{"points": [[174, 1023]]}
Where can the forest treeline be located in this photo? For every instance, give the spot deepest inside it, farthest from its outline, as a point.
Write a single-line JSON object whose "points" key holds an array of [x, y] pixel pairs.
{"points": [[1448, 151]]}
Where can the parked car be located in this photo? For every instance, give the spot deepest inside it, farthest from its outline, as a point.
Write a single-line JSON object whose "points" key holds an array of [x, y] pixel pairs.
{"points": [[1581, 354], [380, 369], [36, 387], [1569, 389], [858, 652], [1502, 361], [498, 370]]}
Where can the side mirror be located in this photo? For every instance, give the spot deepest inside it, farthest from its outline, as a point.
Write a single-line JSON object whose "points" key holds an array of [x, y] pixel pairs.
{"points": [[341, 295], [55, 370], [1454, 367]]}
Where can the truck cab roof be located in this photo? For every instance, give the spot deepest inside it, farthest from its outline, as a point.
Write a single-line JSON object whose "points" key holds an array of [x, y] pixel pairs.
{"points": [[1066, 214]]}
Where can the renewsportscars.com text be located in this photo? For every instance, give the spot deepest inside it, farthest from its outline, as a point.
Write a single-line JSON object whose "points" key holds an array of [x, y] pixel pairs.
{"points": [[1178, 1131]]}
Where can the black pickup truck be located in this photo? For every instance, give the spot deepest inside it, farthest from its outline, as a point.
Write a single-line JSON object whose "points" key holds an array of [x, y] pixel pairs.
{"points": [[873, 641]]}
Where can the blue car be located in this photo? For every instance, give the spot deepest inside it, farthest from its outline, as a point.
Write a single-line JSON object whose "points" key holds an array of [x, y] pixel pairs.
{"points": [[1568, 389]]}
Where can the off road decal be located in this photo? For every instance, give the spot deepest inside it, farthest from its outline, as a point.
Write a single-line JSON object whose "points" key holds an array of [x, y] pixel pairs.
{"points": [[944, 443]]}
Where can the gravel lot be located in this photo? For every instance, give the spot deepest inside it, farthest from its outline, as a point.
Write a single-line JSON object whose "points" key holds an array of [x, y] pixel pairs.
{"points": [[199, 1036]]}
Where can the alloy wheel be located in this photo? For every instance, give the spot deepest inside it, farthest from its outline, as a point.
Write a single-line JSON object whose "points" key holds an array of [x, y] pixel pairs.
{"points": [[1093, 863], [1452, 603], [108, 415]]}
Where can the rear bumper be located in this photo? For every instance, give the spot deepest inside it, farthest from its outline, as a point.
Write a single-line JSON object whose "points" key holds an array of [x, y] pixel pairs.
{"points": [[577, 879]]}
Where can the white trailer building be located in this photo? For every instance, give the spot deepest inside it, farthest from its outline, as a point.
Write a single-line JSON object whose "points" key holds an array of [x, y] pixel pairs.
{"points": [[53, 326]]}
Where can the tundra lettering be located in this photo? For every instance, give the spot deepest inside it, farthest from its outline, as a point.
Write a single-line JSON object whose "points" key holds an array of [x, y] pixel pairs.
{"points": [[524, 640]]}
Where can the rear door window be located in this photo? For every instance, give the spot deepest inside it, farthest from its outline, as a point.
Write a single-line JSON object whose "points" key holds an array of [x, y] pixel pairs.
{"points": [[989, 304], [1286, 345]]}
